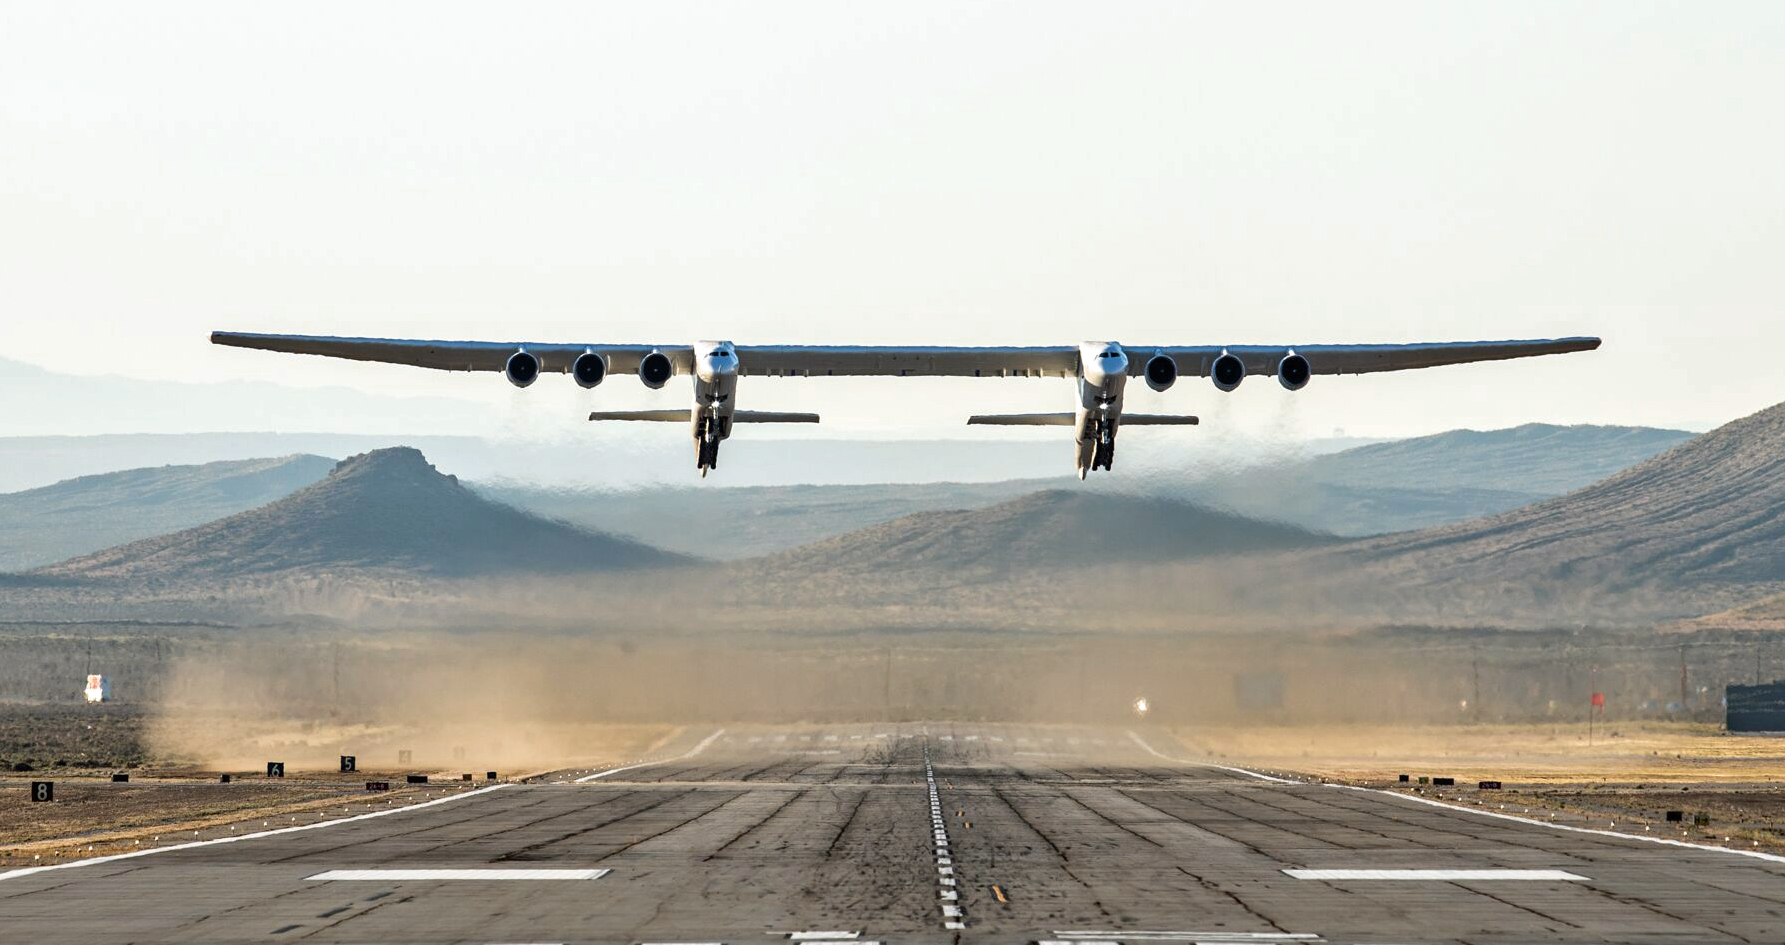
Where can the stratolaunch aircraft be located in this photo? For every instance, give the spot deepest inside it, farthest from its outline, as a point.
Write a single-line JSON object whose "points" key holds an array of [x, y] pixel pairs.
{"points": [[1102, 369]]}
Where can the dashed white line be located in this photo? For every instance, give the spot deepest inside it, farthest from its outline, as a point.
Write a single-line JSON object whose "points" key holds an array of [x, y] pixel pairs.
{"points": [[953, 919]]}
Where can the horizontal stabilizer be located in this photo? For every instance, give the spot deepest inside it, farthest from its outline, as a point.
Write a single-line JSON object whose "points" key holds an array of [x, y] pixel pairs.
{"points": [[772, 416], [658, 416], [1067, 419], [1022, 420], [681, 416], [1157, 420]]}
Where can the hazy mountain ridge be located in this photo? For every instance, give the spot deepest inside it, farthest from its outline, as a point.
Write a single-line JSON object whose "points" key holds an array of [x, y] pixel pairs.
{"points": [[1050, 529], [384, 511], [1707, 514], [1365, 490], [91, 404], [89, 513]]}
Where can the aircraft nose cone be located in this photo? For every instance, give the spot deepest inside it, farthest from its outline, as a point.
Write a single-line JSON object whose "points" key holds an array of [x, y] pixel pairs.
{"points": [[718, 364]]}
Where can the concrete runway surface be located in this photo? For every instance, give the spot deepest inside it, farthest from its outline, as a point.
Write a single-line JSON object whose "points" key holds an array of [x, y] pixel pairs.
{"points": [[911, 833]]}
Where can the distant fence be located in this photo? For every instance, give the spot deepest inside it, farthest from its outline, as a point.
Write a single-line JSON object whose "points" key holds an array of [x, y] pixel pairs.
{"points": [[1756, 708]]}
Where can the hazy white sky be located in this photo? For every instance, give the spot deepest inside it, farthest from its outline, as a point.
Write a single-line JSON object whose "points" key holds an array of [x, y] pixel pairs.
{"points": [[956, 172]]}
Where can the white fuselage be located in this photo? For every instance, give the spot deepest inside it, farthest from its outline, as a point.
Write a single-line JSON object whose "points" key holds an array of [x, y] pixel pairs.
{"points": [[1102, 376], [715, 388]]}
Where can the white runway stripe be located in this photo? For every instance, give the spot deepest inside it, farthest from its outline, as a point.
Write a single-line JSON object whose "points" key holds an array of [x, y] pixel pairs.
{"points": [[389, 811], [1461, 809], [1079, 937], [697, 749], [433, 875], [1205, 764], [1452, 876]]}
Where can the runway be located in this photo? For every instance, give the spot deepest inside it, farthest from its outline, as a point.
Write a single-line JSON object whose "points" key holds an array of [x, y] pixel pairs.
{"points": [[832, 834]]}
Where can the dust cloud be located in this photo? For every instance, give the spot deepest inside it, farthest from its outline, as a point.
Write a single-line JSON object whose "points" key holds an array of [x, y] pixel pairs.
{"points": [[573, 674]]}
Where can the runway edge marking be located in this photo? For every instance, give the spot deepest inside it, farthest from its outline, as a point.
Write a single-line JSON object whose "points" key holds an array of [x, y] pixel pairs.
{"points": [[697, 749], [1207, 764], [29, 870], [1751, 854]]}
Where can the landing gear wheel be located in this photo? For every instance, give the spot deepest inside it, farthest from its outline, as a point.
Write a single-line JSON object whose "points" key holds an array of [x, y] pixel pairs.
{"points": [[706, 447], [1105, 451]]}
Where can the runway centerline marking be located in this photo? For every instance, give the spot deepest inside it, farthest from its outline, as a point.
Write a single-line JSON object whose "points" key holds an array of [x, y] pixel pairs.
{"points": [[697, 749], [1452, 876], [400, 875]]}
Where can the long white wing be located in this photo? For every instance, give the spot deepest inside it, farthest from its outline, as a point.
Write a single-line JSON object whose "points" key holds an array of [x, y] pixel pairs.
{"points": [[895, 361], [1356, 359], [451, 355]]}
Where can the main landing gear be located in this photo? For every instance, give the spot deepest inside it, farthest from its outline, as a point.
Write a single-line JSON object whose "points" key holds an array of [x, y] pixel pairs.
{"points": [[706, 445], [1098, 450]]}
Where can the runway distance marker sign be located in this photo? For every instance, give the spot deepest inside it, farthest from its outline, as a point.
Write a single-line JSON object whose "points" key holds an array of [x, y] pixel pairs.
{"points": [[43, 791]]}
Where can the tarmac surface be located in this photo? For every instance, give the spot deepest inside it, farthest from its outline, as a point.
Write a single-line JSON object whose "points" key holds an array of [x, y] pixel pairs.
{"points": [[912, 833]]}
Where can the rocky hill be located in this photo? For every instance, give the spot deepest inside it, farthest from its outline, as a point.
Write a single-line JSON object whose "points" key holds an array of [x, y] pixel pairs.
{"points": [[383, 511], [1705, 517], [1049, 529], [82, 515]]}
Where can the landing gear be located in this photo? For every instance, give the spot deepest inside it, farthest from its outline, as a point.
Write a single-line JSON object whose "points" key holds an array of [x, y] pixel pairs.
{"points": [[706, 446], [1105, 451], [1098, 449]]}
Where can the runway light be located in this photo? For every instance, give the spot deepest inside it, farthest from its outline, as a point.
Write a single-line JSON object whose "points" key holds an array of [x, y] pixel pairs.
{"points": [[1140, 706]]}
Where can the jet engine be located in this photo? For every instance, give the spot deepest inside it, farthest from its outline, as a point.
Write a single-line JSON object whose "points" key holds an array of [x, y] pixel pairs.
{"points": [[1293, 371], [522, 368], [655, 370], [589, 369], [1162, 372], [1228, 371]]}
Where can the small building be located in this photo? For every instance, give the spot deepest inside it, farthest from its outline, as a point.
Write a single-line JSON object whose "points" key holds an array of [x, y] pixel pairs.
{"points": [[99, 689], [1758, 708]]}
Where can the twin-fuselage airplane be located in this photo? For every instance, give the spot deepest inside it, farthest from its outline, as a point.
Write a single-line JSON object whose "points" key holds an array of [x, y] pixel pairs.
{"points": [[1101, 368]]}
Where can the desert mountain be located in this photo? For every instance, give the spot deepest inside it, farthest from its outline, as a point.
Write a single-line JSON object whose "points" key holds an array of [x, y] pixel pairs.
{"points": [[1434, 480], [1048, 529], [387, 510], [83, 515], [1364, 490], [1708, 514]]}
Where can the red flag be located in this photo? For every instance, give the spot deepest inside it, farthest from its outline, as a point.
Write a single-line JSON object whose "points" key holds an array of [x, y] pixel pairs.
{"points": [[1599, 699]]}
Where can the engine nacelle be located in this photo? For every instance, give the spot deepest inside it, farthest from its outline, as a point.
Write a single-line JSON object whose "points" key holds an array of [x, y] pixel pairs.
{"points": [[1162, 372], [1293, 371], [655, 369], [522, 368], [1228, 371], [589, 369]]}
